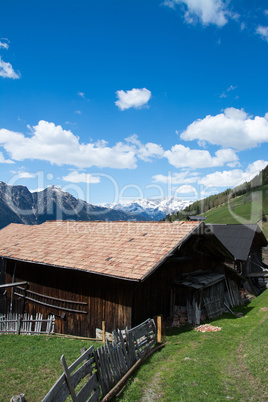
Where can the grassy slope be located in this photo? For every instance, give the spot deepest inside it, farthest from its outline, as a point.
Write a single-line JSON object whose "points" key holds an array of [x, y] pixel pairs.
{"points": [[31, 364], [244, 209], [192, 366], [229, 364]]}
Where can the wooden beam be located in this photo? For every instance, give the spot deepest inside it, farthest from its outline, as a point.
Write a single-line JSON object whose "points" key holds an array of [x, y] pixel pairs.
{"points": [[54, 298], [51, 305], [68, 379], [103, 331], [159, 329], [12, 285]]}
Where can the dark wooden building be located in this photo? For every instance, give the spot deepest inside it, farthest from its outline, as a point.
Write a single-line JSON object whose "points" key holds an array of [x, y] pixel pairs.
{"points": [[87, 272], [245, 243]]}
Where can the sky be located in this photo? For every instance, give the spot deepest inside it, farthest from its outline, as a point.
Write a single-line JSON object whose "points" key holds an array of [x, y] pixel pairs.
{"points": [[123, 99]]}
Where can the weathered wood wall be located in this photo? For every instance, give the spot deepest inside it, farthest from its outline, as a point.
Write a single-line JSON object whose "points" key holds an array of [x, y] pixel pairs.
{"points": [[153, 296], [106, 299]]}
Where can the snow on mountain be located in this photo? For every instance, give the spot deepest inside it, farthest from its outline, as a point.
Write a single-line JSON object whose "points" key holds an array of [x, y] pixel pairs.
{"points": [[156, 208]]}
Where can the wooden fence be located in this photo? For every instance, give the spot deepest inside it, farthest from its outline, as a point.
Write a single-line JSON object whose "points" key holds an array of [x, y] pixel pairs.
{"points": [[26, 324], [103, 368]]}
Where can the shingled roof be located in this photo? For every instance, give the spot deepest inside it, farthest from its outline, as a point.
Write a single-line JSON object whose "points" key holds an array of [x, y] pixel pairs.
{"points": [[238, 239], [127, 250]]}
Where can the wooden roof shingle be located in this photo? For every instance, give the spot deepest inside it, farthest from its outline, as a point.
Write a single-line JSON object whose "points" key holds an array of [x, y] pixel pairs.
{"points": [[127, 250]]}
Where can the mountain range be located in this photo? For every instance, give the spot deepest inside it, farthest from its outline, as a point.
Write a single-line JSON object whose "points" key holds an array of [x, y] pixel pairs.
{"points": [[153, 209], [19, 205]]}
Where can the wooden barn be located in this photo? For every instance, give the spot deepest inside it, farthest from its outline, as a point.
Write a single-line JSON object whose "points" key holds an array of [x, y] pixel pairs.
{"points": [[89, 272], [245, 243]]}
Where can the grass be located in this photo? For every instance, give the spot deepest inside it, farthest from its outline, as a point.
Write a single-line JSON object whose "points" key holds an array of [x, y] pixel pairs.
{"points": [[245, 209], [229, 364], [31, 364]]}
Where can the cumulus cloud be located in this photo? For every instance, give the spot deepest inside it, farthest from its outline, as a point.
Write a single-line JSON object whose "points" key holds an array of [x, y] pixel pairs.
{"points": [[206, 11], [58, 146], [263, 32], [6, 70], [61, 147], [235, 177], [133, 98], [145, 151], [181, 156], [232, 128], [76, 177]]}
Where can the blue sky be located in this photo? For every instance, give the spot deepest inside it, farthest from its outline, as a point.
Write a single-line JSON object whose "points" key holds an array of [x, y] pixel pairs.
{"points": [[123, 99]]}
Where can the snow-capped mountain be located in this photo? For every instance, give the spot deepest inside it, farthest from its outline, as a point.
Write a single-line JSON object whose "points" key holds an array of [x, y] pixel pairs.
{"points": [[156, 208], [19, 205]]}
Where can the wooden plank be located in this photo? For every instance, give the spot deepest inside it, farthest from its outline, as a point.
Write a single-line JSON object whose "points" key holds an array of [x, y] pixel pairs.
{"points": [[126, 355], [121, 356], [95, 396], [117, 361], [81, 373], [88, 388], [84, 356], [102, 373], [68, 379], [103, 331], [51, 305], [59, 392], [106, 364], [11, 285], [99, 374], [159, 329], [113, 366], [131, 347]]}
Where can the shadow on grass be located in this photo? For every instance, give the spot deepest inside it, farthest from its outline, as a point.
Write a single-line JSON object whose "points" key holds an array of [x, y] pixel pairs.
{"points": [[175, 331]]}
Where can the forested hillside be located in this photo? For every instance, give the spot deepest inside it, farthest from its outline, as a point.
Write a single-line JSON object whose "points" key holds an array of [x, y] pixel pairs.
{"points": [[247, 202]]}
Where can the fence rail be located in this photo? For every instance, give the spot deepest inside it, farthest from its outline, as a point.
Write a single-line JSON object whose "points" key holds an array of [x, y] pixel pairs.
{"points": [[26, 324], [105, 367]]}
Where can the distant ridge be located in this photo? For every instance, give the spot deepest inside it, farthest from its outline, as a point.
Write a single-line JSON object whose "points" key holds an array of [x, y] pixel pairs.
{"points": [[153, 208], [19, 205]]}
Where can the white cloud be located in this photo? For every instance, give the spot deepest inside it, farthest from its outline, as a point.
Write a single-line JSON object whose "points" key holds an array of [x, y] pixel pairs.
{"points": [[145, 151], [133, 98], [26, 175], [81, 94], [233, 128], [231, 178], [6, 70], [3, 160], [58, 146], [177, 178], [230, 88], [76, 177], [181, 156], [206, 11], [4, 43], [263, 32]]}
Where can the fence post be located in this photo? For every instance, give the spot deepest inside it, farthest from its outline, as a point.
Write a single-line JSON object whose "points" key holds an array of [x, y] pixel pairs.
{"points": [[103, 331], [159, 328]]}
